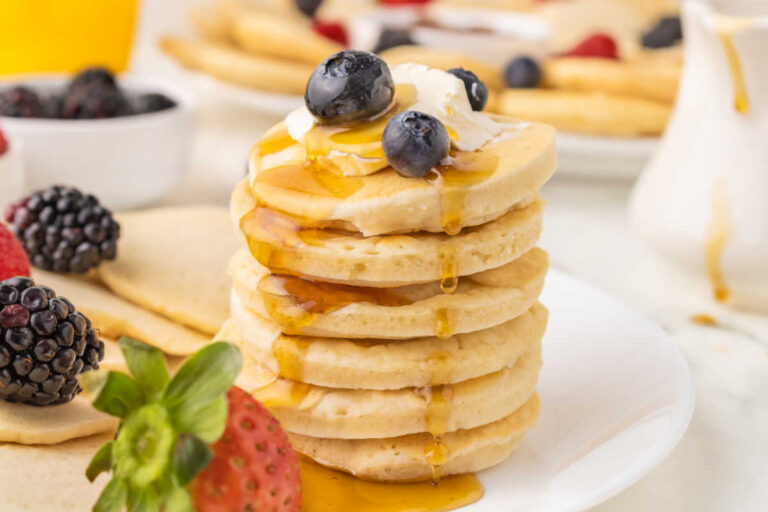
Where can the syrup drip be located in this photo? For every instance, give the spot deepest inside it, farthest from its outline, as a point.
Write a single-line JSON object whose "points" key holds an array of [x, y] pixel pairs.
{"points": [[310, 178], [704, 319], [740, 96], [290, 353], [295, 302], [326, 490], [449, 269], [438, 396], [274, 237], [463, 170], [283, 393], [717, 238], [443, 323]]}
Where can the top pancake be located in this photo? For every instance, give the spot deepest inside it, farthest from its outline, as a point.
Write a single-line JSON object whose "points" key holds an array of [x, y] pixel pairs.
{"points": [[481, 186]]}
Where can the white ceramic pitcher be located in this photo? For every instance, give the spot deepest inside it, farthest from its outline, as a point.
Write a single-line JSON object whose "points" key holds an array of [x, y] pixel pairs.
{"points": [[703, 199]]}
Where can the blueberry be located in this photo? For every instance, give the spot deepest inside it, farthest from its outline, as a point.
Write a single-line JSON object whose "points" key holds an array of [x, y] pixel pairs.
{"points": [[667, 32], [414, 143], [349, 86], [523, 73], [153, 103], [308, 7], [477, 92], [391, 38]]}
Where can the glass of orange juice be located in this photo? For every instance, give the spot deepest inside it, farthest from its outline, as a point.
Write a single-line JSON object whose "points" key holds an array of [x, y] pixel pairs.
{"points": [[65, 35]]}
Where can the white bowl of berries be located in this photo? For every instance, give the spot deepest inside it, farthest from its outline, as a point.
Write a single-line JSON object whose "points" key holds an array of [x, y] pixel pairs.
{"points": [[127, 142]]}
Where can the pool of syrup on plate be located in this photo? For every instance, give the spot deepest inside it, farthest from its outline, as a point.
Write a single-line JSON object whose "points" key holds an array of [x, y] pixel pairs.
{"points": [[275, 240]]}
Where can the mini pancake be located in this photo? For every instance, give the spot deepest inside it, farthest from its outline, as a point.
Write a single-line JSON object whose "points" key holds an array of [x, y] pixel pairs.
{"points": [[362, 414], [26, 424], [506, 173], [284, 37], [173, 261], [480, 301], [238, 67], [392, 260], [594, 113], [114, 317], [381, 364], [49, 478], [653, 80], [403, 458]]}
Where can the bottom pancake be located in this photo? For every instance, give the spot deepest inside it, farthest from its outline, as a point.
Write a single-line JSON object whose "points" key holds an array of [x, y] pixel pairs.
{"points": [[404, 458]]}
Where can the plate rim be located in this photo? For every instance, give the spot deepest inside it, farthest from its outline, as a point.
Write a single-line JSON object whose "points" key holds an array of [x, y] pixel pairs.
{"points": [[665, 443]]}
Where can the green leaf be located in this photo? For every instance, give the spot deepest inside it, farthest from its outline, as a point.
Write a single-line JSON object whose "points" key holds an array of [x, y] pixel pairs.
{"points": [[143, 499], [203, 378], [100, 462], [113, 497], [147, 365], [192, 455], [178, 500], [114, 393], [206, 421]]}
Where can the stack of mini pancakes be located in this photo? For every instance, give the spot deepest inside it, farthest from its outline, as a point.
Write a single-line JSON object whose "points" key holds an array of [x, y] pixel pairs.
{"points": [[387, 347]]}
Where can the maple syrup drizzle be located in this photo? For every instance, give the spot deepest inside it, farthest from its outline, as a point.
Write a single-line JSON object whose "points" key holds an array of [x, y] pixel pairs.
{"points": [[283, 393], [740, 96], [327, 490], [295, 302], [717, 238], [443, 323], [438, 396]]}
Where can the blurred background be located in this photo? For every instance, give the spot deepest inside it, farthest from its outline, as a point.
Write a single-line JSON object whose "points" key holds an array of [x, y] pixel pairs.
{"points": [[662, 112]]}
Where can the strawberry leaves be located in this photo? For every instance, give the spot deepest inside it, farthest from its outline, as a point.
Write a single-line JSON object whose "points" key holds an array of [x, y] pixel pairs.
{"points": [[166, 424]]}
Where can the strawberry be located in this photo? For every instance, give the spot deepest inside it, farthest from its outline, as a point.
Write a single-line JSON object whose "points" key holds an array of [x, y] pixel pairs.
{"points": [[253, 466], [597, 45], [331, 30], [192, 442], [14, 261], [3, 144]]}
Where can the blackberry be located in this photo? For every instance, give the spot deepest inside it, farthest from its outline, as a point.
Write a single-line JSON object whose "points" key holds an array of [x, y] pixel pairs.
{"points": [[63, 230], [94, 102], [94, 76], [20, 101], [153, 102], [45, 344]]}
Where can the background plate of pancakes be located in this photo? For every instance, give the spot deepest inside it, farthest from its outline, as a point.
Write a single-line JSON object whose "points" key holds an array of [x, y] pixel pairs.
{"points": [[616, 397]]}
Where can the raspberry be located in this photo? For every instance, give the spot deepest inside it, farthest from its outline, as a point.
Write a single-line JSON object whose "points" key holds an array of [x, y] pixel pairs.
{"points": [[596, 45], [14, 261]]}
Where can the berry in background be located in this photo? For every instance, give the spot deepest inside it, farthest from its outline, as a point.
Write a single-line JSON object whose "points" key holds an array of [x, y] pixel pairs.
{"points": [[522, 73], [597, 45]]}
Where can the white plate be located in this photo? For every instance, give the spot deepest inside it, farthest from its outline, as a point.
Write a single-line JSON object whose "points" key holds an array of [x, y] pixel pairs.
{"points": [[603, 157], [254, 99], [616, 398]]}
